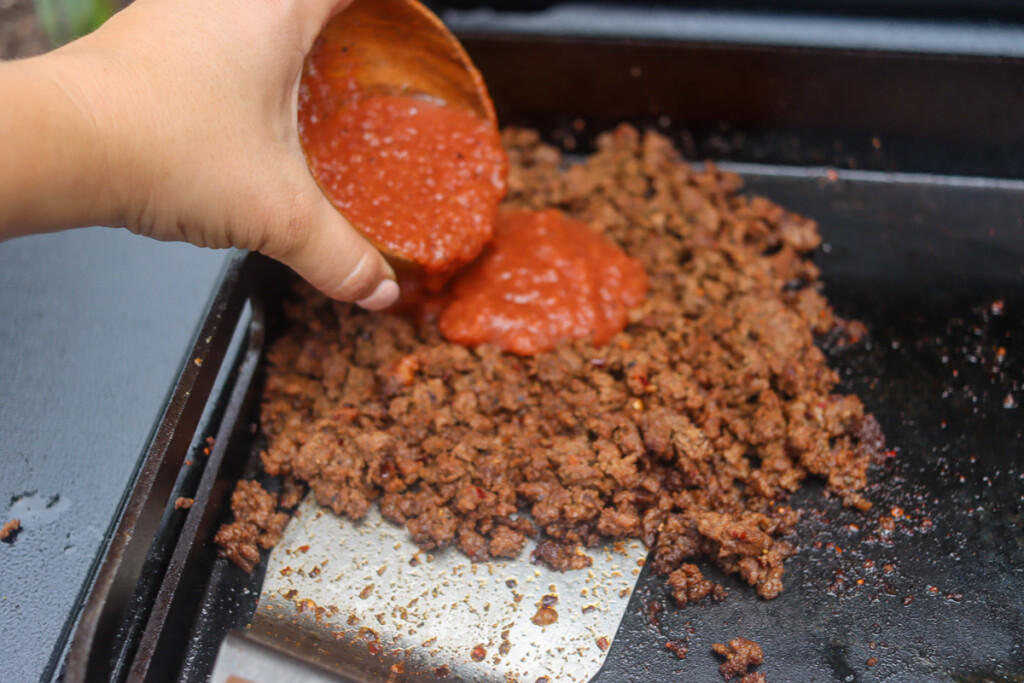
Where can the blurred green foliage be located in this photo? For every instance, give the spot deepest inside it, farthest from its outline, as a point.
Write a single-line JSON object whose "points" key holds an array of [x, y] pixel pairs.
{"points": [[65, 20]]}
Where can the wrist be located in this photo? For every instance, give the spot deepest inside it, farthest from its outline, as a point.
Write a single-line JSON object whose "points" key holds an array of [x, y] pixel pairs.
{"points": [[54, 163], [93, 95]]}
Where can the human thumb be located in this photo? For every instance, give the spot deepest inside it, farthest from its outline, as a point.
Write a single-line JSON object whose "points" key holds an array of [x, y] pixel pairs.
{"points": [[333, 257]]}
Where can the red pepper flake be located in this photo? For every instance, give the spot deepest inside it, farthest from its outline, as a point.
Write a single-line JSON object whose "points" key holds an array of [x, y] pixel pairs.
{"points": [[896, 512], [478, 653], [286, 571], [303, 548], [909, 600], [872, 661], [603, 642]]}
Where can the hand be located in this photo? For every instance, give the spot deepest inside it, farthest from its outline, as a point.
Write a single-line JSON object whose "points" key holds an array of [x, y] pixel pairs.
{"points": [[188, 111]]}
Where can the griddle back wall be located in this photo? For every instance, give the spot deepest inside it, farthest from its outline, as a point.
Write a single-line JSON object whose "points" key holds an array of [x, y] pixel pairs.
{"points": [[805, 107], [977, 10]]}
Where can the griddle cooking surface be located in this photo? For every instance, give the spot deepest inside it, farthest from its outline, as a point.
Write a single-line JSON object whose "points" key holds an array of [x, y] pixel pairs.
{"points": [[936, 271], [935, 268]]}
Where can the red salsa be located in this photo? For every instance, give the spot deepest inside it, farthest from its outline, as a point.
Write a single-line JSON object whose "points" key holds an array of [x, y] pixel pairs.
{"points": [[418, 178], [544, 278]]}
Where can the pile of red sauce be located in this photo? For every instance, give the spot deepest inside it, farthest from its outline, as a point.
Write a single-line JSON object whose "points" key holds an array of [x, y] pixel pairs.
{"points": [[424, 180]]}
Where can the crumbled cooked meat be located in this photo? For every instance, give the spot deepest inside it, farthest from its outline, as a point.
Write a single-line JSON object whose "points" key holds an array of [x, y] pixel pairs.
{"points": [[687, 585], [292, 491], [10, 530], [183, 503], [560, 556], [740, 654], [689, 430], [257, 524]]}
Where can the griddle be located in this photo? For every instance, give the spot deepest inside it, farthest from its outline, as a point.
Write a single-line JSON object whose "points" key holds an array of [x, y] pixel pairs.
{"points": [[909, 163]]}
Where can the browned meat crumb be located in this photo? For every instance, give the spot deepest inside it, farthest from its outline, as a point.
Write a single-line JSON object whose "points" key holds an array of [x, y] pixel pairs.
{"points": [[689, 430], [687, 585], [10, 529], [257, 525], [292, 492], [678, 647], [740, 654], [183, 503], [560, 556]]}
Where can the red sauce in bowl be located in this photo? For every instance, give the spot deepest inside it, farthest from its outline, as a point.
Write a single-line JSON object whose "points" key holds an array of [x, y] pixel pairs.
{"points": [[544, 278], [420, 179]]}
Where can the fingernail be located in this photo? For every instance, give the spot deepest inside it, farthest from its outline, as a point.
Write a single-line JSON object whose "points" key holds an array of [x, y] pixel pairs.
{"points": [[385, 295]]}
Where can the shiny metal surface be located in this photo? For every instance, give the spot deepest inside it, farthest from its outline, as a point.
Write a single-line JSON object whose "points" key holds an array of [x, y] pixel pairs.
{"points": [[243, 661], [366, 601]]}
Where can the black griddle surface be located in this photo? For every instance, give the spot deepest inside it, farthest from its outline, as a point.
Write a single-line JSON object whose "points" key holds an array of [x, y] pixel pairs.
{"points": [[935, 270], [934, 267]]}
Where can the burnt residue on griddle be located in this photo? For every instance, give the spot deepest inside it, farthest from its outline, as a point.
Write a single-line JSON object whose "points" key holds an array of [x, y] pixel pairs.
{"points": [[678, 647]]}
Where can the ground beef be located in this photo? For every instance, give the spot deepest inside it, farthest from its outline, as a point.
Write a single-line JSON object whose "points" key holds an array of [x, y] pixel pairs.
{"points": [[258, 524], [688, 585], [740, 654], [689, 430], [9, 531]]}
